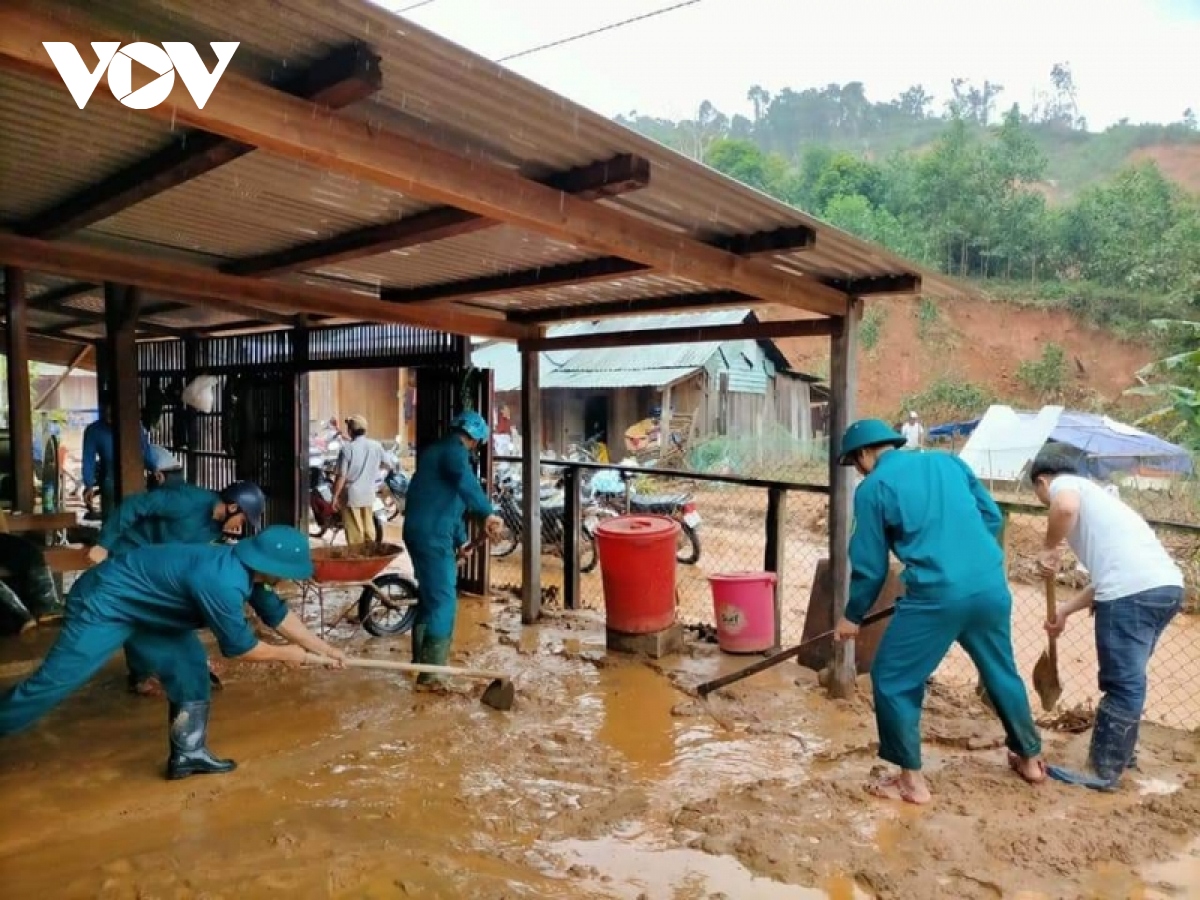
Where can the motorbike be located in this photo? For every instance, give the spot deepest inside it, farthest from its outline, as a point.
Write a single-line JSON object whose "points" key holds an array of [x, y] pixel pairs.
{"points": [[324, 519], [608, 490], [507, 500]]}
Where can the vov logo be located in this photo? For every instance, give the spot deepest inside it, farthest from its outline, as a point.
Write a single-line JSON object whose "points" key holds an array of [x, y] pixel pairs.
{"points": [[165, 61]]}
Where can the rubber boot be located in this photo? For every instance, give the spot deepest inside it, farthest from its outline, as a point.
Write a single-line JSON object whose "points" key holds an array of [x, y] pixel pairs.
{"points": [[436, 653], [418, 642], [1114, 745], [188, 729]]}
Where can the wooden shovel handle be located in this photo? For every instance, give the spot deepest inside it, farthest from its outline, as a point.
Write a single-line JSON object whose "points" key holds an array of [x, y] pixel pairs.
{"points": [[1052, 611], [392, 666]]}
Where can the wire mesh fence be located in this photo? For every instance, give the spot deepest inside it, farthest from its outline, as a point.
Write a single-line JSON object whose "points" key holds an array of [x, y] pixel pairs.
{"points": [[1174, 672], [729, 535], [732, 537]]}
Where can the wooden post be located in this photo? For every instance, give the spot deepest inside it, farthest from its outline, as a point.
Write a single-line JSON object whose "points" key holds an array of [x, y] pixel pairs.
{"points": [[531, 480], [843, 382], [571, 541], [20, 403], [300, 363], [773, 557], [664, 424], [120, 325]]}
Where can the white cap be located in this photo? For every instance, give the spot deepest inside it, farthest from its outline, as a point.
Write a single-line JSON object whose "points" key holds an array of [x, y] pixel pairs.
{"points": [[912, 414]]}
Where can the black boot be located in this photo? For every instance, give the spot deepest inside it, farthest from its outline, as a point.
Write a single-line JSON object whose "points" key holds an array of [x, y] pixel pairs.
{"points": [[188, 729]]}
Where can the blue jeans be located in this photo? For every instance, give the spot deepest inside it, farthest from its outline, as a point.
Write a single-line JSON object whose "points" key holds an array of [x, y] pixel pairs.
{"points": [[1127, 631]]}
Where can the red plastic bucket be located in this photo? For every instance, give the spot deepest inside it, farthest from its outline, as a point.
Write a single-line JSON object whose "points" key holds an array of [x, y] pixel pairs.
{"points": [[637, 567], [744, 607]]}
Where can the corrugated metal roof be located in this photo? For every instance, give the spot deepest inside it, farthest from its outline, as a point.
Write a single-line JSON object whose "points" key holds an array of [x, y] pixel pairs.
{"points": [[618, 367], [433, 90]]}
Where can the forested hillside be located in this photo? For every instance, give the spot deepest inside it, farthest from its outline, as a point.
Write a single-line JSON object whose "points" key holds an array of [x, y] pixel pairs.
{"points": [[1041, 211]]}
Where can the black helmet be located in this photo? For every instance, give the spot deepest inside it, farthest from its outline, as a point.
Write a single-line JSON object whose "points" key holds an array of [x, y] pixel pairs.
{"points": [[250, 500]]}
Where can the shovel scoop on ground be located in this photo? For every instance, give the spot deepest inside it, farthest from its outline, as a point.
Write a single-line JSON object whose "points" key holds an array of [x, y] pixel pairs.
{"points": [[1045, 671], [499, 694]]}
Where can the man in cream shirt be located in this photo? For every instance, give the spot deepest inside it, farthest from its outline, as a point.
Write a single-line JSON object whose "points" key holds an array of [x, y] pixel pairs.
{"points": [[1136, 590]]}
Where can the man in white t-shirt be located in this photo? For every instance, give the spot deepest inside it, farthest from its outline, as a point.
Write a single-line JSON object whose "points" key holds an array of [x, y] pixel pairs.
{"points": [[1135, 591], [913, 431]]}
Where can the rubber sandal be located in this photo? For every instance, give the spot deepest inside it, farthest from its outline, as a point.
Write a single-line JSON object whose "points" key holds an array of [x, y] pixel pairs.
{"points": [[1015, 762]]}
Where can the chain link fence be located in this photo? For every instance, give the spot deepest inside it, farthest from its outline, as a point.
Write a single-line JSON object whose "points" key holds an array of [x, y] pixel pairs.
{"points": [[733, 536]]}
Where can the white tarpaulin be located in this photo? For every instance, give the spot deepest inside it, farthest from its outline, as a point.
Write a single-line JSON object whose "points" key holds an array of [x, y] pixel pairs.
{"points": [[1004, 442]]}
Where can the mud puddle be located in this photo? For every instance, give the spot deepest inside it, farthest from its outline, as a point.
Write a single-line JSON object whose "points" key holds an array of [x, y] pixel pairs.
{"points": [[636, 868], [606, 780]]}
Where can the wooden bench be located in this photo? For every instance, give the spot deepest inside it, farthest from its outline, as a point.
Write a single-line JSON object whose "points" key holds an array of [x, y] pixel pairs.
{"points": [[61, 560], [29, 523]]}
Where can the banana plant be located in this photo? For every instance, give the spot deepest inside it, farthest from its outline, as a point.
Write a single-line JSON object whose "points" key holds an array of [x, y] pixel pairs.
{"points": [[1179, 414]]}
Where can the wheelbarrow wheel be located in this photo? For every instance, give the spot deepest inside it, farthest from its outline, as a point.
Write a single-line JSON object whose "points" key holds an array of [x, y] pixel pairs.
{"points": [[390, 607]]}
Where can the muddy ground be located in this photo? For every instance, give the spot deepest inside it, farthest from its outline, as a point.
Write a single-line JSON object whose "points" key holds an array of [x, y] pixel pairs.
{"points": [[607, 780]]}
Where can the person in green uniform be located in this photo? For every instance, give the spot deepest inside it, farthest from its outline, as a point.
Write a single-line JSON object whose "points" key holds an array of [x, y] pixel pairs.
{"points": [[157, 597], [930, 510], [444, 489], [176, 512]]}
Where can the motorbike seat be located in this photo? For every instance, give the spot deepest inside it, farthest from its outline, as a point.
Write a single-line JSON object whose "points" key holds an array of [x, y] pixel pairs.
{"points": [[657, 501]]}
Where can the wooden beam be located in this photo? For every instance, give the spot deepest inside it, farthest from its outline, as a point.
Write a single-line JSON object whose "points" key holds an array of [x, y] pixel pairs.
{"points": [[244, 110], [605, 268], [348, 74], [843, 385], [234, 292], [759, 331], [590, 271], [778, 240], [905, 283], [640, 306], [20, 406], [79, 357], [531, 480], [609, 178], [121, 310]]}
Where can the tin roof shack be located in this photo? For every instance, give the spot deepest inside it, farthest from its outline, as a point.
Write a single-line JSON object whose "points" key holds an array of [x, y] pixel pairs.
{"points": [[717, 388]]}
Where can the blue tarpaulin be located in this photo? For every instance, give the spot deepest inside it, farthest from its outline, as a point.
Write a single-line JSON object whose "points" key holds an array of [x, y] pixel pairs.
{"points": [[1106, 446]]}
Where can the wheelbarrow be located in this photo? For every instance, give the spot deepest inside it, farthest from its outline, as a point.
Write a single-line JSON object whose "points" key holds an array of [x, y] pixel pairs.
{"points": [[387, 603]]}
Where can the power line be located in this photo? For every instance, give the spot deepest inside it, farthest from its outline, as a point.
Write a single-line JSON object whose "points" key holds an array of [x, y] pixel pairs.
{"points": [[414, 6], [601, 29]]}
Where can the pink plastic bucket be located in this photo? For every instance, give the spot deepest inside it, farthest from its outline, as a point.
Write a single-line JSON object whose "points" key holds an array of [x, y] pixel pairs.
{"points": [[744, 606]]}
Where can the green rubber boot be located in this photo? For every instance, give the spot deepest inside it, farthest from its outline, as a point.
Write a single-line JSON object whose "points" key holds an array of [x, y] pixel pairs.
{"points": [[418, 642], [437, 653]]}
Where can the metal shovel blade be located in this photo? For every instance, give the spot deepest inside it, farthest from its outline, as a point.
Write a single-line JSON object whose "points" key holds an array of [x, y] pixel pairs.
{"points": [[1045, 681], [499, 695]]}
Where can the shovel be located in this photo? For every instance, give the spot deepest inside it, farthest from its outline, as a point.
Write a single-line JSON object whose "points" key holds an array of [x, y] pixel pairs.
{"points": [[1045, 671], [499, 694], [782, 656]]}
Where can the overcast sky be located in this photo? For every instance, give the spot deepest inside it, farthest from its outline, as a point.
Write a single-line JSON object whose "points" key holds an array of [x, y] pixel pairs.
{"points": [[1136, 59]]}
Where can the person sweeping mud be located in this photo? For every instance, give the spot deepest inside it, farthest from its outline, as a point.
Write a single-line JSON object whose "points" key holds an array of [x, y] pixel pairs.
{"points": [[934, 515], [1136, 590], [175, 512], [444, 489], [156, 598]]}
